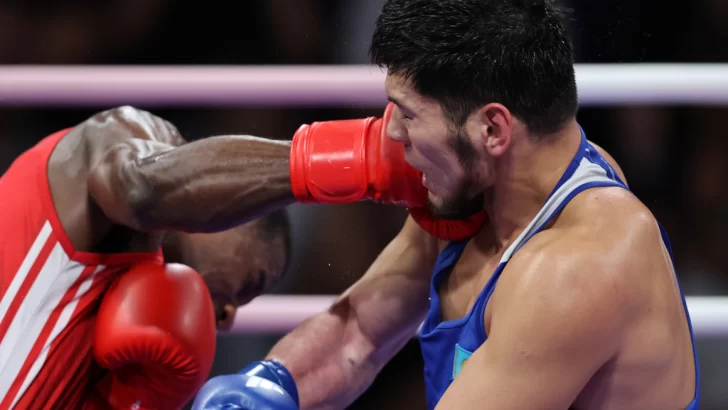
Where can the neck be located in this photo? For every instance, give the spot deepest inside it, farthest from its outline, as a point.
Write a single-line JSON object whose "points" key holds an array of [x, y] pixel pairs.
{"points": [[525, 176]]}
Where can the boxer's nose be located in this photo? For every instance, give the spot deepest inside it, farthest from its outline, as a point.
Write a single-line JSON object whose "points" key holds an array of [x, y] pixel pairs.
{"points": [[396, 131]]}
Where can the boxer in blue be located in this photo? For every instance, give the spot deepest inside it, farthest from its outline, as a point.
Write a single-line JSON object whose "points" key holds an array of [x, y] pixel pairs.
{"points": [[565, 299]]}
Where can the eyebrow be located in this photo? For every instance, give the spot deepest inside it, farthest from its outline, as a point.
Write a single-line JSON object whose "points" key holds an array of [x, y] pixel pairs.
{"points": [[399, 104], [394, 100]]}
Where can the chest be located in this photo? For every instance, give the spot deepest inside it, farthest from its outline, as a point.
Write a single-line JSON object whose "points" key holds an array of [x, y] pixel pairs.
{"points": [[459, 288]]}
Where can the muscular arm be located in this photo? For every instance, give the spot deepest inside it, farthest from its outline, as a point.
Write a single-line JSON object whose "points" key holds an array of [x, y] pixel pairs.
{"points": [[150, 183], [558, 315], [335, 356]]}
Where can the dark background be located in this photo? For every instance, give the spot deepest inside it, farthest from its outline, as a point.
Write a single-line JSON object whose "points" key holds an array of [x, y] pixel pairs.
{"points": [[674, 157]]}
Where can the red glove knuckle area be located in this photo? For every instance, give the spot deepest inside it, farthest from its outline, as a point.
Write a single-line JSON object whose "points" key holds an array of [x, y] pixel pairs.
{"points": [[155, 333], [329, 161], [348, 161]]}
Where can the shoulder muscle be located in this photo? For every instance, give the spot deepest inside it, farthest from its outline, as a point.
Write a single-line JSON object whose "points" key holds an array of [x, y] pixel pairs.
{"points": [[118, 139], [126, 122], [558, 297], [591, 257]]}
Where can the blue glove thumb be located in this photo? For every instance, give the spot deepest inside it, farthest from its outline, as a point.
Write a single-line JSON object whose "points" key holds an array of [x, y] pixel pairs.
{"points": [[274, 371], [259, 386]]}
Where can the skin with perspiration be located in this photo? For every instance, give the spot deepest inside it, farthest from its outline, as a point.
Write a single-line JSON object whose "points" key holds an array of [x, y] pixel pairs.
{"points": [[587, 315], [126, 181]]}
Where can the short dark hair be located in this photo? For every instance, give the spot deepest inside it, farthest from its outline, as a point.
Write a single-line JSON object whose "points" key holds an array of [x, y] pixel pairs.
{"points": [[468, 53]]}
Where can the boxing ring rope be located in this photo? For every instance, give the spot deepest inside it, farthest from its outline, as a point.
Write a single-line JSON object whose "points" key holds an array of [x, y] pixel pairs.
{"points": [[353, 86], [278, 314], [359, 86]]}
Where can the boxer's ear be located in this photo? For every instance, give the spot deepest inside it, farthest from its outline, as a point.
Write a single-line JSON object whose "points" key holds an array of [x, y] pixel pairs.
{"points": [[496, 128], [226, 319]]}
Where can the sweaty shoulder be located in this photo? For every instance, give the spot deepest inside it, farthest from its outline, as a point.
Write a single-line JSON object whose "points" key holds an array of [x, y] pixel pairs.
{"points": [[84, 147], [87, 141], [125, 124], [594, 254]]}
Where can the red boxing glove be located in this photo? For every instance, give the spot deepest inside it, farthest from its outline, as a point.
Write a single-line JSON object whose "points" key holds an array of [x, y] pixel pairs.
{"points": [[449, 229], [155, 332], [352, 160], [346, 161]]}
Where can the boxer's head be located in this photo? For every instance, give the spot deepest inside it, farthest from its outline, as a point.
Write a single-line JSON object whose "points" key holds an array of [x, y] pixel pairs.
{"points": [[469, 77], [237, 265]]}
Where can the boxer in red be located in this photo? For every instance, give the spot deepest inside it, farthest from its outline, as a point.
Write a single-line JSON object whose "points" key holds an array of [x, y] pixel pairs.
{"points": [[123, 189], [91, 316]]}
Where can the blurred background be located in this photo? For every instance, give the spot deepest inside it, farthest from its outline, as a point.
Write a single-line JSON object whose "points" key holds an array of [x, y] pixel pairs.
{"points": [[674, 157]]}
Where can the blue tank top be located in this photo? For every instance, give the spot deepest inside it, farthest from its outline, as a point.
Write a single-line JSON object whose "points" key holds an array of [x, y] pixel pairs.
{"points": [[447, 345]]}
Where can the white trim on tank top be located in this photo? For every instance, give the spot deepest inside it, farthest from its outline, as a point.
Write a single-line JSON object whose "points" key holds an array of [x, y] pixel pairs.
{"points": [[586, 172]]}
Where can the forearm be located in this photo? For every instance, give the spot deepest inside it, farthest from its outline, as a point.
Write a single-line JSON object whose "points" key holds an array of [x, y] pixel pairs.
{"points": [[205, 186], [336, 355], [329, 359]]}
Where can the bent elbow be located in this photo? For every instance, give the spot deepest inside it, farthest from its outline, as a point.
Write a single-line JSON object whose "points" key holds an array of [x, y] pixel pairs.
{"points": [[122, 191], [141, 207], [140, 200]]}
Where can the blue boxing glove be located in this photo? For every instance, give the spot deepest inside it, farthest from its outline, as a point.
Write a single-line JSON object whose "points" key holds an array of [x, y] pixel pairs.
{"points": [[265, 385]]}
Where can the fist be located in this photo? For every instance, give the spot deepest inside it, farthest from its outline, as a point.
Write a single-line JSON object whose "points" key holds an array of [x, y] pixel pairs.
{"points": [[245, 392], [155, 333]]}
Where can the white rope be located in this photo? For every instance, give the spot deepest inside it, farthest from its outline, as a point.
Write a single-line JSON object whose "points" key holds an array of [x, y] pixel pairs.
{"points": [[280, 314], [599, 84], [362, 86]]}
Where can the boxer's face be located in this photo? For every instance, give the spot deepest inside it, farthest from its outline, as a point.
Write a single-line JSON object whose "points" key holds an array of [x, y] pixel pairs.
{"points": [[450, 157], [237, 266]]}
